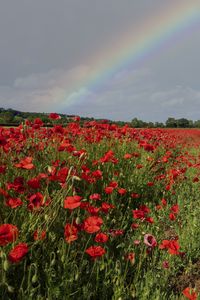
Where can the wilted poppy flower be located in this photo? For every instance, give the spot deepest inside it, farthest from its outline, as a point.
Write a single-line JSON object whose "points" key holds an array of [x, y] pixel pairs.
{"points": [[134, 226], [131, 257], [116, 232], [95, 251], [150, 240], [136, 242], [8, 234], [39, 235], [165, 264], [18, 252]]}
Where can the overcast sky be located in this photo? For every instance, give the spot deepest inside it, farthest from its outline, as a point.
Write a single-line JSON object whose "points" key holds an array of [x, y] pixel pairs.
{"points": [[45, 51]]}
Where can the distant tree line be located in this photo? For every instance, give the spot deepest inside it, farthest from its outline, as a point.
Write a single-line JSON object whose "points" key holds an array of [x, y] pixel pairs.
{"points": [[170, 123], [15, 117]]}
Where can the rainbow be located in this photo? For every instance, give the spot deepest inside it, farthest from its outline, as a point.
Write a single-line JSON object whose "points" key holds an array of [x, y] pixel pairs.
{"points": [[141, 43]]}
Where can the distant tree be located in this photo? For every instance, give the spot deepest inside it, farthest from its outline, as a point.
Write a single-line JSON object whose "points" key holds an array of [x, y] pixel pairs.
{"points": [[191, 123], [196, 124], [159, 125], [183, 123], [138, 123], [171, 123], [18, 119], [151, 125], [7, 116]]}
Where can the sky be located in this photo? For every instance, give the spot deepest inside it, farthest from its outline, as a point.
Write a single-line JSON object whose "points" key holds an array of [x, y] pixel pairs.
{"points": [[56, 56]]}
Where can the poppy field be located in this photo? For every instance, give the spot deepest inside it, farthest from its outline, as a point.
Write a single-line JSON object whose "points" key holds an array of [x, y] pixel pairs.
{"points": [[97, 211]]}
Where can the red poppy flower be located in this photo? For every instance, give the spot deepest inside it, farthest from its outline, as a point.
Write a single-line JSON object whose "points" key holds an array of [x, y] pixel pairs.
{"points": [[101, 238], [127, 156], [17, 185], [135, 196], [175, 209], [189, 294], [150, 183], [54, 116], [34, 183], [105, 207], [95, 251], [72, 202], [164, 202], [113, 184], [97, 174], [76, 119], [4, 193], [93, 224], [172, 217], [25, 163], [18, 253], [70, 233], [109, 189], [93, 210], [2, 169], [14, 202], [172, 246], [134, 226], [122, 191], [149, 220], [8, 234], [139, 166], [36, 201], [95, 197]]}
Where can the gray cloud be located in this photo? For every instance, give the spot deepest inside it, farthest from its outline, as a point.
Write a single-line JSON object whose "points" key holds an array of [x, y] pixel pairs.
{"points": [[47, 47]]}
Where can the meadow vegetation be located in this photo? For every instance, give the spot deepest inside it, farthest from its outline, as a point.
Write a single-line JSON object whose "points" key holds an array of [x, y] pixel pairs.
{"points": [[99, 212]]}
